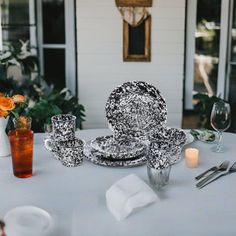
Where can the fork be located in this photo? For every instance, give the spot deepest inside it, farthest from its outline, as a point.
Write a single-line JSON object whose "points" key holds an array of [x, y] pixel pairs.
{"points": [[220, 168], [230, 170], [214, 168]]}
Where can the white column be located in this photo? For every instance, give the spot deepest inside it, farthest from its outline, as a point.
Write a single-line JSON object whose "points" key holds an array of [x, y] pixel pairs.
{"points": [[190, 52], [32, 27], [70, 46], [223, 48]]}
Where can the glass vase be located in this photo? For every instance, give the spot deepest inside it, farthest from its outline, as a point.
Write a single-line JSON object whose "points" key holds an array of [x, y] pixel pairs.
{"points": [[4, 143]]}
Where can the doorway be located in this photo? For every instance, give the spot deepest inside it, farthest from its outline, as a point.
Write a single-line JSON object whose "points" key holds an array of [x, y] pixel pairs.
{"points": [[210, 53]]}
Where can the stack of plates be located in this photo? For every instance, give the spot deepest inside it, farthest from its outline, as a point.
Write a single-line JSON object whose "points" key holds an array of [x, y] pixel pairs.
{"points": [[133, 110], [106, 151]]}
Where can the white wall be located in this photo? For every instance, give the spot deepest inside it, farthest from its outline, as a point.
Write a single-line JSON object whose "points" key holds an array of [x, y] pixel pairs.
{"points": [[100, 60]]}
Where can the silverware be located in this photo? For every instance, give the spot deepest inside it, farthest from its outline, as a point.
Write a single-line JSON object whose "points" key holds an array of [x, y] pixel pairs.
{"points": [[229, 170], [222, 167], [214, 168]]}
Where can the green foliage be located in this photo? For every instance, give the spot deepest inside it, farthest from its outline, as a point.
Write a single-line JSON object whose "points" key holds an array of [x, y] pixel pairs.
{"points": [[20, 55], [29, 87], [44, 101], [53, 104], [204, 107]]}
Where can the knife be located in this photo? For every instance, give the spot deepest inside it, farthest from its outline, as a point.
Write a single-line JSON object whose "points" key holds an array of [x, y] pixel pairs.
{"points": [[222, 167], [205, 172], [229, 170]]}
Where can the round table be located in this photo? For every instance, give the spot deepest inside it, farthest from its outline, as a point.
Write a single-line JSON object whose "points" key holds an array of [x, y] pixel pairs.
{"points": [[75, 197]]}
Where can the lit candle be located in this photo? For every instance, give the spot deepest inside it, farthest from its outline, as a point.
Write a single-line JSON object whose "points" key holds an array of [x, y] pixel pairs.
{"points": [[191, 157]]}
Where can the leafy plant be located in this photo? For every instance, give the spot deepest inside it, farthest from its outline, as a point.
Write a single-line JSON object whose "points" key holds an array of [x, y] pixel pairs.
{"points": [[19, 55], [204, 107], [55, 103], [44, 101], [31, 88]]}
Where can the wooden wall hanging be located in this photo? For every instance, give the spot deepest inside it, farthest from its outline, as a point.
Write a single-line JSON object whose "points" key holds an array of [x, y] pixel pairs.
{"points": [[134, 3], [137, 41]]}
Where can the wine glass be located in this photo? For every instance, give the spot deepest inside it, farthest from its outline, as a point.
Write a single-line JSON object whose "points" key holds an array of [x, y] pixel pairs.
{"points": [[220, 121]]}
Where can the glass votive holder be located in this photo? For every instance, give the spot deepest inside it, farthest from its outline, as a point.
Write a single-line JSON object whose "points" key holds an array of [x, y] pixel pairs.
{"points": [[158, 169], [158, 177]]}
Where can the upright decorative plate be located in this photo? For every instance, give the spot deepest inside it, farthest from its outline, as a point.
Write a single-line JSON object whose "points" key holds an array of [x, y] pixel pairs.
{"points": [[135, 108], [111, 148], [98, 158]]}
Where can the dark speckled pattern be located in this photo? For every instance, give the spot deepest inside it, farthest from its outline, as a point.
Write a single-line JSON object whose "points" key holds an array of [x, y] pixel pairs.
{"points": [[135, 108], [170, 140], [97, 158], [111, 148], [64, 126]]}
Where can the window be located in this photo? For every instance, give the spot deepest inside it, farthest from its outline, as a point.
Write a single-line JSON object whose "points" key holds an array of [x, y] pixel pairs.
{"points": [[217, 41], [51, 33], [18, 22], [206, 52], [231, 62], [56, 37]]}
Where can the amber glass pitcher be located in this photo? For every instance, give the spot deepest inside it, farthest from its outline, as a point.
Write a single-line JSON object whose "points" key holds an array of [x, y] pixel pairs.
{"points": [[21, 142]]}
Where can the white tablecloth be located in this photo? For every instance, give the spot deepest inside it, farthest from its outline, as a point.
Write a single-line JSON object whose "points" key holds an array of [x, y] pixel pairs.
{"points": [[75, 197]]}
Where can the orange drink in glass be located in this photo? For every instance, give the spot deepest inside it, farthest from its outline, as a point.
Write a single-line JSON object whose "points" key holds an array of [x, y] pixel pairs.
{"points": [[21, 142]]}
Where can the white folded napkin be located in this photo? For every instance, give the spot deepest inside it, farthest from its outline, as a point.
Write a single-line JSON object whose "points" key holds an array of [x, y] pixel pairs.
{"points": [[128, 194]]}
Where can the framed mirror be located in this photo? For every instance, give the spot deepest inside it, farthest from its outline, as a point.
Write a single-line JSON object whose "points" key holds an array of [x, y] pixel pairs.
{"points": [[137, 41]]}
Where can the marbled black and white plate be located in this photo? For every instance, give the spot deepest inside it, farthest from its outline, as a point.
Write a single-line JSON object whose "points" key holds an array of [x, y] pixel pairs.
{"points": [[98, 158], [135, 107], [112, 148]]}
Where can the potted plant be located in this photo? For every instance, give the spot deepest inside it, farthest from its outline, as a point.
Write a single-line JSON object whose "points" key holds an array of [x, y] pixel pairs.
{"points": [[44, 100], [204, 106]]}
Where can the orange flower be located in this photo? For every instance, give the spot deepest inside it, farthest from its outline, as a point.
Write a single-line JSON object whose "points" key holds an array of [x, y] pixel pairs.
{"points": [[2, 94], [3, 113], [6, 104], [19, 98]]}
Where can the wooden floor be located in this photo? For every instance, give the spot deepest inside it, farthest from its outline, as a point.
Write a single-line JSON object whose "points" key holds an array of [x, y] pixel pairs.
{"points": [[190, 121]]}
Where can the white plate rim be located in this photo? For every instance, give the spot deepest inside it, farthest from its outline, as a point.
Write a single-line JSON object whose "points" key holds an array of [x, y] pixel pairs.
{"points": [[189, 136], [122, 163], [33, 209]]}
